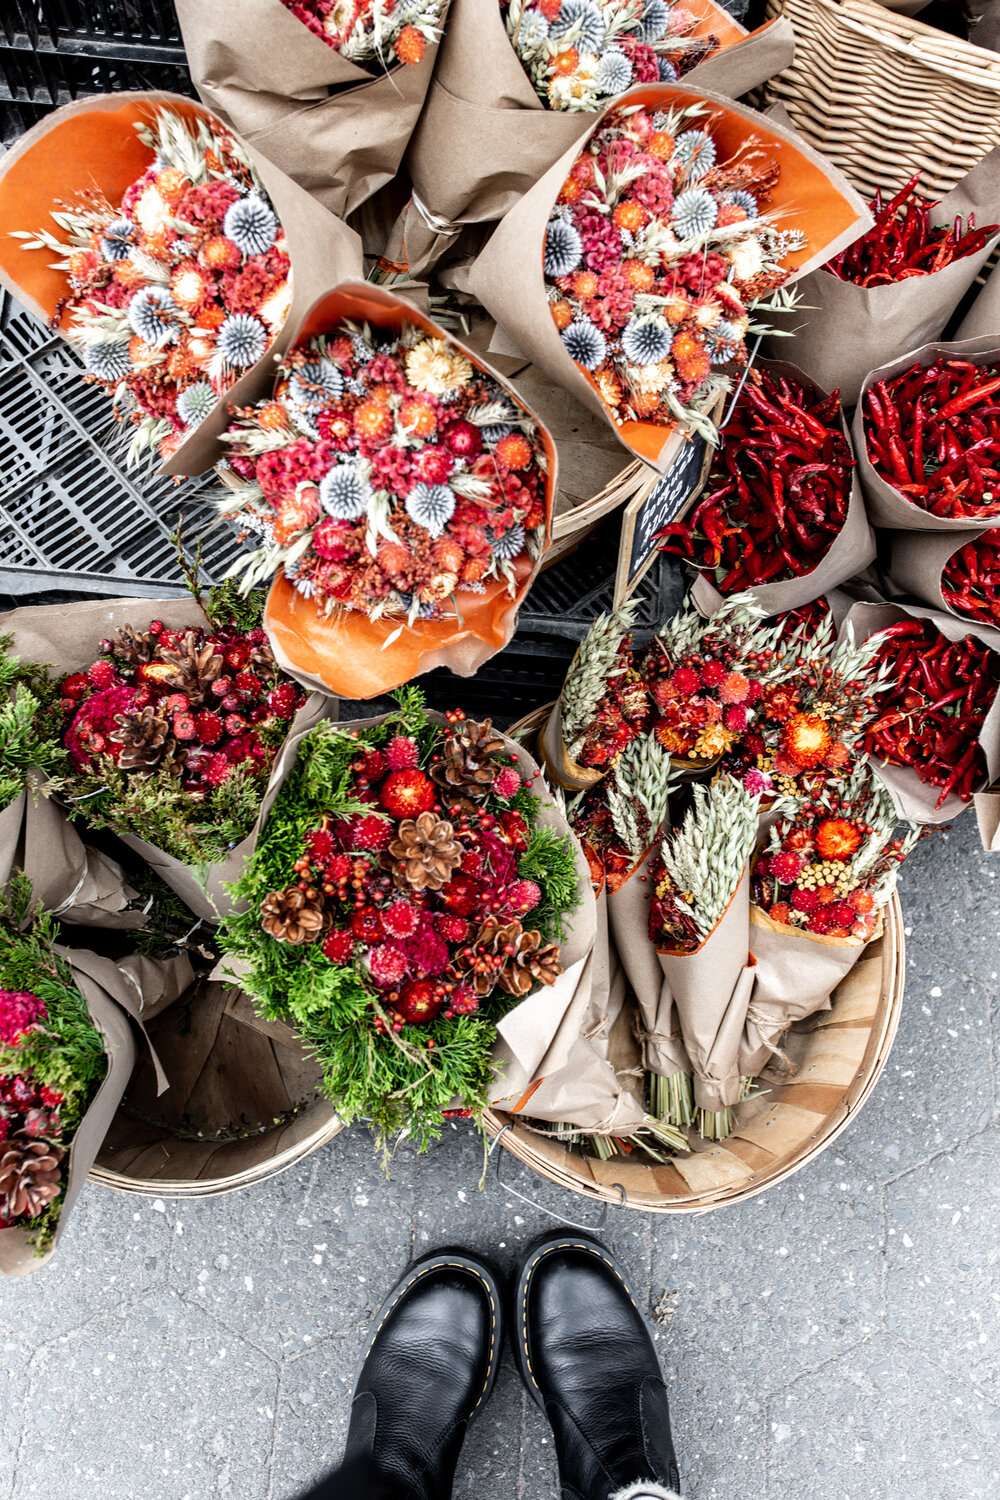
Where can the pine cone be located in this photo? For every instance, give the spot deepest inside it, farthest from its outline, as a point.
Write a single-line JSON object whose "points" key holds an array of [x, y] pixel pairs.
{"points": [[469, 765], [290, 917], [30, 1175], [145, 738], [262, 658], [424, 853], [515, 959], [190, 668], [136, 649]]}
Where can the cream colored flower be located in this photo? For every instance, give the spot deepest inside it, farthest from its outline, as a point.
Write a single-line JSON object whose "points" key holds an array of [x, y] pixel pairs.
{"points": [[708, 314], [274, 309], [713, 740], [433, 367], [152, 211], [746, 259], [651, 379]]}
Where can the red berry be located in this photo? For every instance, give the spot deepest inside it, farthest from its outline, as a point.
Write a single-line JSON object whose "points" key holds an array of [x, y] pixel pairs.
{"points": [[209, 726], [102, 674], [221, 686], [235, 724], [184, 726]]}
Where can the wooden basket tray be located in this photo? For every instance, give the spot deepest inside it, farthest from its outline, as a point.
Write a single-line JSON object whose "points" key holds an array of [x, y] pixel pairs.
{"points": [[243, 1103]]}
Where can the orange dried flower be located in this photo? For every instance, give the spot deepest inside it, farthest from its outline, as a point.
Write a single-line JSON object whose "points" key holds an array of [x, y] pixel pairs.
{"points": [[730, 213], [373, 420], [220, 253], [661, 143], [837, 756], [418, 417], [474, 568], [571, 190], [171, 184], [211, 317], [514, 451], [182, 364], [394, 558], [780, 912], [826, 895], [645, 403], [550, 9], [837, 838], [862, 902], [82, 263], [410, 45], [565, 62], [273, 417], [639, 276], [562, 314], [631, 216], [294, 514], [128, 274], [190, 287], [805, 740], [448, 555], [585, 285]]}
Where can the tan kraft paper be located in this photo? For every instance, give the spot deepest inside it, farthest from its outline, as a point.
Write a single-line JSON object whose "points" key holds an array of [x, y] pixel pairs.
{"points": [[916, 561]]}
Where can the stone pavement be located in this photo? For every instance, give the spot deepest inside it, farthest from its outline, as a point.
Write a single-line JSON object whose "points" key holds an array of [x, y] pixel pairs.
{"points": [[836, 1337]]}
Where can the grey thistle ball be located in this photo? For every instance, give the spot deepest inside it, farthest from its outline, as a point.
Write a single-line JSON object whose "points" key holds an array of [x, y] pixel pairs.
{"points": [[693, 213], [242, 340], [723, 342], [153, 315], [582, 22], [431, 506], [585, 344], [668, 73], [614, 72], [108, 361], [251, 224], [116, 241], [343, 493], [563, 248], [511, 544], [195, 402], [696, 150], [742, 199], [646, 341], [655, 18], [314, 384], [492, 435]]}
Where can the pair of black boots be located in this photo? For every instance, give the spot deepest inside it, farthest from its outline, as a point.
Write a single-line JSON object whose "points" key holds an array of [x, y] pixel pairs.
{"points": [[583, 1350]]}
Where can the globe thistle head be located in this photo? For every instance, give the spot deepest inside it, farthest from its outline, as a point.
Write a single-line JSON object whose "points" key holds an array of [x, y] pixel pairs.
{"points": [[655, 19], [563, 248], [579, 24], [511, 544], [694, 212], [695, 149], [117, 240], [584, 343], [109, 360], [496, 431], [431, 506], [154, 316], [742, 199], [668, 73], [723, 342], [614, 72], [646, 340], [251, 224], [343, 493], [314, 384], [242, 340], [534, 30], [195, 402]]}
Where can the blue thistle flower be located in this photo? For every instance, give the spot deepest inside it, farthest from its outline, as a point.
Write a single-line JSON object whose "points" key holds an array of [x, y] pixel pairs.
{"points": [[722, 342], [584, 20], [343, 493], [696, 150], [668, 73], [693, 213], [584, 343], [251, 224], [314, 384], [116, 241], [744, 200], [493, 434], [646, 340], [655, 17], [195, 402], [431, 506], [511, 544], [154, 316], [614, 72], [242, 340], [563, 248], [534, 30], [108, 361]]}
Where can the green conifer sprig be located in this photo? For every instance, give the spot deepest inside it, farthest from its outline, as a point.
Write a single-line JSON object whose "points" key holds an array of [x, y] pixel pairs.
{"points": [[29, 729]]}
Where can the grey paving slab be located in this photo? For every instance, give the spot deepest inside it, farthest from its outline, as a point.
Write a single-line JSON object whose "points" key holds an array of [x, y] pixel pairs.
{"points": [[950, 892], [153, 1401], [313, 1409], [875, 1424], [719, 1420], [14, 1362], [942, 1289]]}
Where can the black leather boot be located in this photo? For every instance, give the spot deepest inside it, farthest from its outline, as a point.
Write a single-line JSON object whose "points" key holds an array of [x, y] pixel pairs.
{"points": [[426, 1371], [588, 1360]]}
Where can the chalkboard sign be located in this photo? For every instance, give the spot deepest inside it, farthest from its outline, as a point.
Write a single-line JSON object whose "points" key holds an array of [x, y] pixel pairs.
{"points": [[667, 500]]}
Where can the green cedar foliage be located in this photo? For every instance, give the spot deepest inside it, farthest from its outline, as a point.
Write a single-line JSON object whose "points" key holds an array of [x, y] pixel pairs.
{"points": [[29, 725]]}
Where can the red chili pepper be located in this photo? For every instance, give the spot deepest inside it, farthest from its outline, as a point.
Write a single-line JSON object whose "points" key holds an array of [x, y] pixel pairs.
{"points": [[902, 242]]}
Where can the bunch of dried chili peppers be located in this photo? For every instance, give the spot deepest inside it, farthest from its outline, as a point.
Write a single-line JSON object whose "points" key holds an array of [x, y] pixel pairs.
{"points": [[778, 489], [970, 579], [934, 435], [934, 712], [903, 242]]}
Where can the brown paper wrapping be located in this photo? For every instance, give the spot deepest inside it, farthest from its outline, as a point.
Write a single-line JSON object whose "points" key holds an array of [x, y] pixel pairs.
{"points": [[113, 993], [93, 143], [916, 561], [484, 137], [915, 799], [507, 276], [988, 817], [851, 550], [796, 976], [69, 634], [886, 505], [983, 318], [846, 330], [336, 129], [657, 1022], [560, 768]]}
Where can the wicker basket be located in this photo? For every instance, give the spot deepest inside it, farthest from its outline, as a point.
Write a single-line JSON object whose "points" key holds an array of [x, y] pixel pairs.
{"points": [[242, 1082], [883, 95], [838, 1056]]}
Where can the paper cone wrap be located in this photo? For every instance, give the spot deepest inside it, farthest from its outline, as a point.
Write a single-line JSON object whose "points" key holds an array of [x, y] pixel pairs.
{"points": [[70, 634], [93, 143], [657, 1022], [915, 799], [560, 767], [347, 653], [507, 277], [113, 994], [988, 818], [916, 561], [983, 318], [849, 330], [335, 128], [886, 505], [850, 552], [797, 973]]}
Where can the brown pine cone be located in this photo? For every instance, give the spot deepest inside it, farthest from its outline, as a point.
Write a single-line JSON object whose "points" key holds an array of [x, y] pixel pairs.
{"points": [[290, 917], [135, 647], [425, 852], [145, 737], [30, 1175], [190, 668], [469, 765], [517, 959]]}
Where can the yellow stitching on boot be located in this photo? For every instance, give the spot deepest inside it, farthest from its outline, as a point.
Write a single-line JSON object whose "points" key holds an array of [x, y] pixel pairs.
{"points": [[539, 1256], [440, 1265]]}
